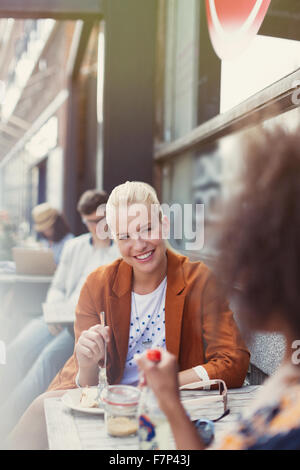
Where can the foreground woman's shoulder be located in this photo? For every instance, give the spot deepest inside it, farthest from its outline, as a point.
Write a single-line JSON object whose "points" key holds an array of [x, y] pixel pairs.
{"points": [[275, 426]]}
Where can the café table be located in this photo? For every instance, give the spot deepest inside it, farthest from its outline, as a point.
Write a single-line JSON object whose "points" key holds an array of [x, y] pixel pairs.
{"points": [[75, 430]]}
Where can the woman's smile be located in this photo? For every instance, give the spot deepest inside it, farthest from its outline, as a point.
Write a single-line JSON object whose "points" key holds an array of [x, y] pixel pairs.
{"points": [[145, 257]]}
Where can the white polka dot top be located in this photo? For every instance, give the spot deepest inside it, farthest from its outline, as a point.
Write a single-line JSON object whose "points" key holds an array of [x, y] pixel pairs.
{"points": [[147, 328]]}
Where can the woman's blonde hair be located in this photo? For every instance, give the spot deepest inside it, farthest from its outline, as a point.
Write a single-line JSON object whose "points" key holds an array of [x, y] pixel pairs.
{"points": [[131, 192]]}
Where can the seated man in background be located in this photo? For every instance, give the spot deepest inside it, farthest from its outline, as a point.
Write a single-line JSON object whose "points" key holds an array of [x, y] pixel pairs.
{"points": [[40, 350]]}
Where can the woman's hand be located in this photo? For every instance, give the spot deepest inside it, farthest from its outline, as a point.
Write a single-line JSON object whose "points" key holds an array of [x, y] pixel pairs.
{"points": [[162, 378], [89, 349]]}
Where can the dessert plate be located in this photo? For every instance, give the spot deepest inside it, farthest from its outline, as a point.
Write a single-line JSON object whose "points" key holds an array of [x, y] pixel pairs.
{"points": [[72, 398]]}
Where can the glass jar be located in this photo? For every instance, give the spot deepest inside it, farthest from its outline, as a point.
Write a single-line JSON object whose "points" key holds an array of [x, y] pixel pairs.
{"points": [[121, 405]]}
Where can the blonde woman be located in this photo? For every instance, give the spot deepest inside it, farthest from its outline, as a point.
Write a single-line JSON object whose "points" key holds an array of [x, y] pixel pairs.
{"points": [[151, 297]]}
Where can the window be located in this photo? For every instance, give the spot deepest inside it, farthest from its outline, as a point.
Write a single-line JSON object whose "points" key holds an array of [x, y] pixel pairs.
{"points": [[197, 162], [266, 61]]}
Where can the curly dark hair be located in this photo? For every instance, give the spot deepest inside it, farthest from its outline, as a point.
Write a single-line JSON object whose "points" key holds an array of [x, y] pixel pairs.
{"points": [[260, 237]]}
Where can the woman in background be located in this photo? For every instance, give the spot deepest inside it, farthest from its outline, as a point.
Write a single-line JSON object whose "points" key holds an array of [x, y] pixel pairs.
{"points": [[260, 251], [52, 228]]}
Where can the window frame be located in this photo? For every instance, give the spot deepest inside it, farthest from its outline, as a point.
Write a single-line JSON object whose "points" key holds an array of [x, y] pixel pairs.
{"points": [[269, 102]]}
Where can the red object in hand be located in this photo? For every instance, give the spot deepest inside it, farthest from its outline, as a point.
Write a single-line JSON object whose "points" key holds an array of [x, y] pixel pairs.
{"points": [[153, 355]]}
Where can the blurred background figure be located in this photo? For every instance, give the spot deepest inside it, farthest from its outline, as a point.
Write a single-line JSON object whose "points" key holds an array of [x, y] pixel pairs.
{"points": [[52, 228]]}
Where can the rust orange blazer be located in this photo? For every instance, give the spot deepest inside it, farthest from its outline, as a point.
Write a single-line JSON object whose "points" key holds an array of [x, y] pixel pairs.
{"points": [[200, 329]]}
